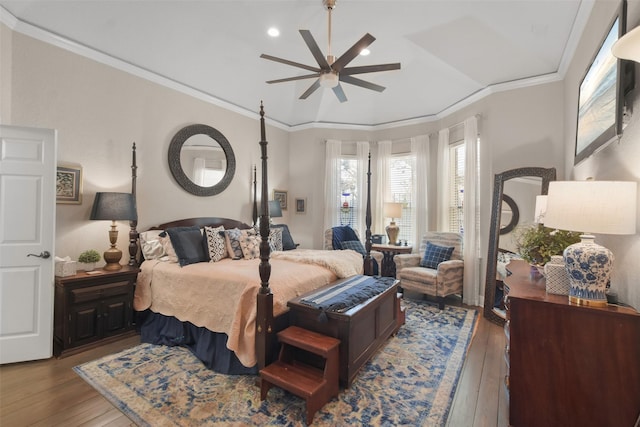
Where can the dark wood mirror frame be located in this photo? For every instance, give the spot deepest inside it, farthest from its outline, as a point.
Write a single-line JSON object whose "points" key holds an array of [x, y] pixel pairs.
{"points": [[547, 175], [176, 168]]}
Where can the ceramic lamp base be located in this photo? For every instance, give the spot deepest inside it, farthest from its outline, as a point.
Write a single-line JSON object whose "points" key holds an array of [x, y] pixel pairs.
{"points": [[589, 268], [392, 232]]}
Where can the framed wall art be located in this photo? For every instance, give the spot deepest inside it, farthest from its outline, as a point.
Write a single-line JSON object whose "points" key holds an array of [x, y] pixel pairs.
{"points": [[281, 196], [69, 184], [301, 205], [602, 94]]}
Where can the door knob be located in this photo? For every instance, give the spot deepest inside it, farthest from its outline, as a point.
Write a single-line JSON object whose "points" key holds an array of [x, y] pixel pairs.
{"points": [[44, 255]]}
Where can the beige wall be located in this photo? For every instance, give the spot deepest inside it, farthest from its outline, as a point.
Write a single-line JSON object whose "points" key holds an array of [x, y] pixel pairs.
{"points": [[620, 161], [99, 111]]}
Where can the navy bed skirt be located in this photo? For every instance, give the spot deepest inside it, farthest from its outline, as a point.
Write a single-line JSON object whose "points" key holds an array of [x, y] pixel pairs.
{"points": [[209, 347]]}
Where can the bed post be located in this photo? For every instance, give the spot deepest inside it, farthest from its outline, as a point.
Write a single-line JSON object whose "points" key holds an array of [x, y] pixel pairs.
{"points": [[264, 320], [255, 198], [368, 261], [133, 232]]}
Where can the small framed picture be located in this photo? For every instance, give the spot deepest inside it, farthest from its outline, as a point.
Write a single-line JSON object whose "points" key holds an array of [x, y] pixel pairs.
{"points": [[69, 184], [281, 196], [301, 205]]}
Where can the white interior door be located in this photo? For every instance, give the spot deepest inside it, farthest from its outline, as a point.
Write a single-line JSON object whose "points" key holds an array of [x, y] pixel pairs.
{"points": [[27, 226]]}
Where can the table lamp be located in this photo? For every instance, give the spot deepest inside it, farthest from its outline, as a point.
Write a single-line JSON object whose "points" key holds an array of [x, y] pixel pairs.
{"points": [[113, 207], [393, 211], [606, 207], [275, 209]]}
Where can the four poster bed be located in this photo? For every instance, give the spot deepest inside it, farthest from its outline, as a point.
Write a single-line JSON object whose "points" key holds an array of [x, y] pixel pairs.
{"points": [[225, 311]]}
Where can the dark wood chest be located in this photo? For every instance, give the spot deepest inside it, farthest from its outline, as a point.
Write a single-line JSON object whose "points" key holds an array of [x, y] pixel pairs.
{"points": [[361, 329]]}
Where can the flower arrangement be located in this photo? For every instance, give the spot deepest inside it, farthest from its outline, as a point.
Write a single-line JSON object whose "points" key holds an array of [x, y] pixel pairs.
{"points": [[89, 256], [536, 244]]}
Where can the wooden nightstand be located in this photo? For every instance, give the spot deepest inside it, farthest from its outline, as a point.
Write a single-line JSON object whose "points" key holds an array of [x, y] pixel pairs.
{"points": [[93, 308], [388, 267]]}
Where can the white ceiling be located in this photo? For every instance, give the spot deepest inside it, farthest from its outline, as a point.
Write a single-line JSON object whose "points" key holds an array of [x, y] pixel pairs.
{"points": [[450, 50]]}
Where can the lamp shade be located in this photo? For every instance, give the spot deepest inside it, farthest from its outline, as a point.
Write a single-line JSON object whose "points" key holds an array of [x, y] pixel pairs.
{"points": [[606, 207], [114, 207], [275, 210], [393, 210], [628, 46]]}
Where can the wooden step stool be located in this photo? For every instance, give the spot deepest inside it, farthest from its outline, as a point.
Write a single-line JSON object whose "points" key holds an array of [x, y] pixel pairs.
{"points": [[316, 386]]}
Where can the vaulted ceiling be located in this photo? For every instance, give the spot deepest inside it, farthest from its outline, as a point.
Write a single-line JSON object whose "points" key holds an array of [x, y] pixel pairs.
{"points": [[450, 50]]}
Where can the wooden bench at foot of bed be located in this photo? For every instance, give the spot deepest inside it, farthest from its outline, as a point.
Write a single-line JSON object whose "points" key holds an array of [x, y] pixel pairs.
{"points": [[362, 330]]}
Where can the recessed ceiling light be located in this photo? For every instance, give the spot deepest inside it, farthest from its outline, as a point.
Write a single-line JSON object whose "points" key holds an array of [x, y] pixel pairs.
{"points": [[365, 52], [273, 32]]}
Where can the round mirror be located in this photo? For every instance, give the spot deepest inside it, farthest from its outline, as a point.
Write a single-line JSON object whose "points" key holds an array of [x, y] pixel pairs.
{"points": [[509, 215], [201, 160]]}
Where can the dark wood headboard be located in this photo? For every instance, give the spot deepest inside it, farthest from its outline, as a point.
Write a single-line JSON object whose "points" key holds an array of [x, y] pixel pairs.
{"points": [[227, 223]]}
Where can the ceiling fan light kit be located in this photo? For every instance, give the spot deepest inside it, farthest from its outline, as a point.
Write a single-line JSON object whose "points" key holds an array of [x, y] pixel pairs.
{"points": [[331, 71]]}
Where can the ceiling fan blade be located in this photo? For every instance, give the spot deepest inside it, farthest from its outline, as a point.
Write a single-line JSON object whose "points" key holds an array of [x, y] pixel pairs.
{"points": [[358, 82], [353, 51], [340, 93], [315, 50], [370, 69], [286, 61], [289, 79], [311, 89]]}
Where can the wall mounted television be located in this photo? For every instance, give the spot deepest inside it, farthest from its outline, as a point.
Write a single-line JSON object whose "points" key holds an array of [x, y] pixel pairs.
{"points": [[601, 102]]}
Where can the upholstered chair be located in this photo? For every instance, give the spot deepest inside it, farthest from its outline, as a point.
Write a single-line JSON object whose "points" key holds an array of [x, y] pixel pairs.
{"points": [[328, 245], [433, 276]]}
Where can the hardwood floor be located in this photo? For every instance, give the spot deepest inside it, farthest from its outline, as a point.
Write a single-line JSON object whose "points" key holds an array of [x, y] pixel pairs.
{"points": [[49, 393]]}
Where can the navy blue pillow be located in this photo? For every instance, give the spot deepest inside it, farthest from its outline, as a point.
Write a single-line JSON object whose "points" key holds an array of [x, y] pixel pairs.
{"points": [[190, 244], [342, 234], [434, 255], [355, 245]]}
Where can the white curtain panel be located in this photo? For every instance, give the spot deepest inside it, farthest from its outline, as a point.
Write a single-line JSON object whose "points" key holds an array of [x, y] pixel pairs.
{"points": [[471, 210], [383, 192], [420, 147], [331, 182], [443, 180], [362, 154]]}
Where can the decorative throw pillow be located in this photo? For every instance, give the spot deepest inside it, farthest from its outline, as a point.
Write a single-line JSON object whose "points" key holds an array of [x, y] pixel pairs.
{"points": [[287, 241], [168, 247], [356, 245], [233, 237], [250, 244], [275, 239], [151, 244], [189, 244], [216, 243], [434, 255]]}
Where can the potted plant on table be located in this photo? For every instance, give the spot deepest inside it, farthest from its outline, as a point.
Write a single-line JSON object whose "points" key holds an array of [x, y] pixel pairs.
{"points": [[537, 243], [89, 259]]}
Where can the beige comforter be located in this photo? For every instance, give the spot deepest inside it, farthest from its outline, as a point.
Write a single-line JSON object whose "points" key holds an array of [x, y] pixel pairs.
{"points": [[221, 296]]}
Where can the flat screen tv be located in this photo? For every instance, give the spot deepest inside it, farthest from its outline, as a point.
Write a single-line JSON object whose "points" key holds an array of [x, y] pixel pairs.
{"points": [[602, 93]]}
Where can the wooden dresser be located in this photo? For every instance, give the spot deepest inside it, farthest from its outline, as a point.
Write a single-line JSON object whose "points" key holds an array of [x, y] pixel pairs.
{"points": [[568, 365]]}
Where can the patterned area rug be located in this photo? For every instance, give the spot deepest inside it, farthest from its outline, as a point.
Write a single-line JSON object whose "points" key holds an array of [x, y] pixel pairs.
{"points": [[411, 381]]}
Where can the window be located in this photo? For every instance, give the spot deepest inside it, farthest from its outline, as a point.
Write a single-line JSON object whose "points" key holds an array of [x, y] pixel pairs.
{"points": [[456, 187], [401, 179], [350, 193]]}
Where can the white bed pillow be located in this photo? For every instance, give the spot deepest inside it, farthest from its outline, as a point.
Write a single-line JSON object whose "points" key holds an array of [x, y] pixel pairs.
{"points": [[168, 248], [151, 244], [216, 242]]}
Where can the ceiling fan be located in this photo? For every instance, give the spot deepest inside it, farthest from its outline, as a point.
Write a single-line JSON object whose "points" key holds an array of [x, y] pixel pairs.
{"points": [[331, 71]]}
